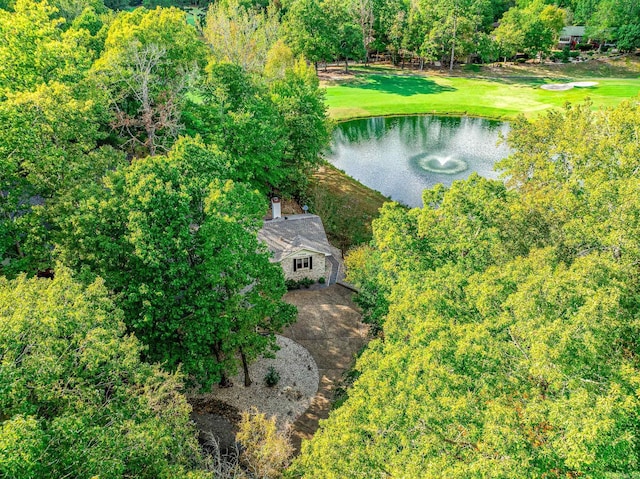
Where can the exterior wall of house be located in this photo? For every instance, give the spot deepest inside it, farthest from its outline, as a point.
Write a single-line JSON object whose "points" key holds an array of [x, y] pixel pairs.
{"points": [[317, 270]]}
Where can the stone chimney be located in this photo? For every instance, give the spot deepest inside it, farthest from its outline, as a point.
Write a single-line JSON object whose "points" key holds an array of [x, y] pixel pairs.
{"points": [[275, 208]]}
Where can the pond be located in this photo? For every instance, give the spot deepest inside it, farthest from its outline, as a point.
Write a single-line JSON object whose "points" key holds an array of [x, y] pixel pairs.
{"points": [[401, 156]]}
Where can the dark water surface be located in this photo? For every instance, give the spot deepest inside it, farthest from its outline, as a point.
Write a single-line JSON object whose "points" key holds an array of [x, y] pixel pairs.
{"points": [[401, 156]]}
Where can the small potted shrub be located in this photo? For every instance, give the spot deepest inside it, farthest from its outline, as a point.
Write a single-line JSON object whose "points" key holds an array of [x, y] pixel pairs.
{"points": [[272, 377]]}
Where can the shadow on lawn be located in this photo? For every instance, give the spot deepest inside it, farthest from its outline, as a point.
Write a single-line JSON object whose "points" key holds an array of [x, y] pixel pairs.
{"points": [[398, 85]]}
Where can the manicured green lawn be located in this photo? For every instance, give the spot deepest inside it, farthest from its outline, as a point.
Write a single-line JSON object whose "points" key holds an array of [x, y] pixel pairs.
{"points": [[374, 94]]}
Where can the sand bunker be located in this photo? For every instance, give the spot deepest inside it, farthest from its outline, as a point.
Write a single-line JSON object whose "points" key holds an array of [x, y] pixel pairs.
{"points": [[568, 86], [584, 84], [557, 86]]}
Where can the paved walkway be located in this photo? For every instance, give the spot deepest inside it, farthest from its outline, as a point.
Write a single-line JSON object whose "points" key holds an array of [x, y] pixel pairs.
{"points": [[329, 327], [335, 266]]}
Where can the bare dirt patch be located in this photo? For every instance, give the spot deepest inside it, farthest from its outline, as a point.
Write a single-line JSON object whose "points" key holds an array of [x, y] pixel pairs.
{"points": [[334, 74], [215, 418]]}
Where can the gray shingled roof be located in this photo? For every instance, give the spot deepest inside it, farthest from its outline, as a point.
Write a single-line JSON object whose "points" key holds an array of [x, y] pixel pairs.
{"points": [[573, 31], [289, 234]]}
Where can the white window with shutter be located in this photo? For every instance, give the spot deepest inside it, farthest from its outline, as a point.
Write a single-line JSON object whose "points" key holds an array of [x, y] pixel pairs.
{"points": [[303, 263]]}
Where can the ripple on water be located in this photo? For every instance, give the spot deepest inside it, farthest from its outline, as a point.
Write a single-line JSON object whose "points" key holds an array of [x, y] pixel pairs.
{"points": [[440, 164], [392, 155]]}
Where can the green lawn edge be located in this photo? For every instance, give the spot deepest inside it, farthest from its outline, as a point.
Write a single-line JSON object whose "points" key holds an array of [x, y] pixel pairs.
{"points": [[335, 191], [496, 93]]}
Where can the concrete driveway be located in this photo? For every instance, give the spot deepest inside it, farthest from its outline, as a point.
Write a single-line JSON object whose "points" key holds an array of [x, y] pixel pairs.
{"points": [[329, 326]]}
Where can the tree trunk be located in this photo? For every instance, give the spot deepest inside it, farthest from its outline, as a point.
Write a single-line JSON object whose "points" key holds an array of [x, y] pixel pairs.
{"points": [[346, 64], [245, 368], [19, 249], [315, 64], [453, 42], [225, 382]]}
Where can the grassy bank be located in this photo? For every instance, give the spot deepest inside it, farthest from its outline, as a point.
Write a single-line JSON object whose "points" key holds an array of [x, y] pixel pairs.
{"points": [[345, 205], [493, 92]]}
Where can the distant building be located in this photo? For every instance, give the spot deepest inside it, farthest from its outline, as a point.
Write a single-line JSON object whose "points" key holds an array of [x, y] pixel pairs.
{"points": [[299, 243], [571, 36]]}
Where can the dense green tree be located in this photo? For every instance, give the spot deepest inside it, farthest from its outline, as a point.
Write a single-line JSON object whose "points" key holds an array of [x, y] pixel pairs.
{"points": [[617, 21], [416, 36], [362, 11], [34, 49], [574, 185], [447, 29], [49, 155], [389, 17], [301, 105], [307, 30], [509, 36], [455, 23], [71, 9], [513, 373], [96, 24], [76, 400], [509, 342], [238, 115], [150, 59], [346, 36], [532, 30], [179, 248], [240, 35], [279, 59], [273, 129]]}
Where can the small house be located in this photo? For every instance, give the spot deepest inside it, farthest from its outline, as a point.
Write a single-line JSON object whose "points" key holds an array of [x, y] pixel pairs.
{"points": [[298, 242], [571, 36]]}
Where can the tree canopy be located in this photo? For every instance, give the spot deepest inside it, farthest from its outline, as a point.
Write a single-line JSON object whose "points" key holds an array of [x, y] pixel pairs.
{"points": [[177, 244], [75, 398], [508, 344]]}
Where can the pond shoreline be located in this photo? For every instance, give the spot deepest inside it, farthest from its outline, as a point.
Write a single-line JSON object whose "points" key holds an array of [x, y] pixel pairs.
{"points": [[402, 155]]}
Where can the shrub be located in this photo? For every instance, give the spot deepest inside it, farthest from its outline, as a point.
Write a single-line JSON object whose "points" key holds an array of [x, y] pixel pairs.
{"points": [[303, 283], [272, 377], [266, 451], [322, 280]]}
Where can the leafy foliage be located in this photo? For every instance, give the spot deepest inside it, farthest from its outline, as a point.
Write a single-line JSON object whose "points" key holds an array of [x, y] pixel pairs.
{"points": [[533, 30], [180, 249], [240, 35], [509, 342], [75, 399], [273, 133], [48, 157], [307, 30], [150, 59], [34, 49]]}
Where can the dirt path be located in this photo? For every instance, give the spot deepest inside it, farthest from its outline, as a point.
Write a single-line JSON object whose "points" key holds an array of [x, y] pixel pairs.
{"points": [[329, 327]]}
